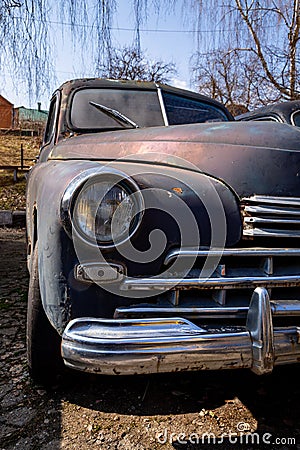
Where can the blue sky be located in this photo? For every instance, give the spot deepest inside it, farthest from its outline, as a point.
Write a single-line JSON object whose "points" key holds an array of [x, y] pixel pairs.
{"points": [[176, 44]]}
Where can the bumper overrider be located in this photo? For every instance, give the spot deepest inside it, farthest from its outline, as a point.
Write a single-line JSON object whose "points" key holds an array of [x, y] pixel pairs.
{"points": [[150, 345]]}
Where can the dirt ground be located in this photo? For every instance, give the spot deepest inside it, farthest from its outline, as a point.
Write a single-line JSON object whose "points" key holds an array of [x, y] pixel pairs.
{"points": [[87, 411], [12, 195]]}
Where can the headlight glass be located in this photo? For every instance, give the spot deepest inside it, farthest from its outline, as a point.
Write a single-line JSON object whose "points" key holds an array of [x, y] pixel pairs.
{"points": [[104, 211]]}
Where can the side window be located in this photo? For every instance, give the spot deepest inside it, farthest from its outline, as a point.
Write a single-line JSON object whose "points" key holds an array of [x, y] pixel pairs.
{"points": [[296, 119], [266, 119], [182, 110], [50, 127]]}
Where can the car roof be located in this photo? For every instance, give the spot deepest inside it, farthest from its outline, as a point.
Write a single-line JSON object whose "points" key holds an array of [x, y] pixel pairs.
{"points": [[80, 83], [282, 110]]}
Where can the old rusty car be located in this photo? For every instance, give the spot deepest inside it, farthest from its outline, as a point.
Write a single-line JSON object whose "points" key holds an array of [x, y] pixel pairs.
{"points": [[162, 235], [282, 112]]}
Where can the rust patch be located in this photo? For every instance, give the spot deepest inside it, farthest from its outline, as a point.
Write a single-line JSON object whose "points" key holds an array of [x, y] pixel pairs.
{"points": [[178, 190]]}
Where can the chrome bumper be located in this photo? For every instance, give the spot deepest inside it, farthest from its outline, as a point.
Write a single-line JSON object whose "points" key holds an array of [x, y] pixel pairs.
{"points": [[137, 346]]}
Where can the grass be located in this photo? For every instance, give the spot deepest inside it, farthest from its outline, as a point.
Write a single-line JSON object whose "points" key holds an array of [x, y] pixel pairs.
{"points": [[12, 195]]}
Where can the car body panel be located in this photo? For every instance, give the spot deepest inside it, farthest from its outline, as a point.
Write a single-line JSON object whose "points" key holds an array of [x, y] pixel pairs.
{"points": [[56, 254], [247, 151], [283, 112], [220, 203]]}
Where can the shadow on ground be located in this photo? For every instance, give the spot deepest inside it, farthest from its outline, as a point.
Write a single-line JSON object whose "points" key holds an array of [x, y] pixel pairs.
{"points": [[140, 412]]}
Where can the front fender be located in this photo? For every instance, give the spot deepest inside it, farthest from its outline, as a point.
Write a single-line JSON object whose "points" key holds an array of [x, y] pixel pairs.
{"points": [[208, 199]]}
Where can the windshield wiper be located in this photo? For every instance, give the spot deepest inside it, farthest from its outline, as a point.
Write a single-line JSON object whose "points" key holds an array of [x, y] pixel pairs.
{"points": [[114, 114]]}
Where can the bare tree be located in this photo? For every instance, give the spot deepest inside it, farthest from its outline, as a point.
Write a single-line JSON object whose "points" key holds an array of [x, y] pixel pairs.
{"points": [[257, 62], [23, 43], [288, 15], [234, 78], [128, 63], [27, 36], [264, 31]]}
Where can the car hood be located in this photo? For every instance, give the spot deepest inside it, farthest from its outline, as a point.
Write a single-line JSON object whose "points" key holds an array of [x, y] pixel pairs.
{"points": [[253, 158]]}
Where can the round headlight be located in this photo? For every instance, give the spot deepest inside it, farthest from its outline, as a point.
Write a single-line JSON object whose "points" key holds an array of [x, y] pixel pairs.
{"points": [[106, 211]]}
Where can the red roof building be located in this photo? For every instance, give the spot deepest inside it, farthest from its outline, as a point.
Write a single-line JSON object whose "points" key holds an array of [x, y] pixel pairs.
{"points": [[6, 113]]}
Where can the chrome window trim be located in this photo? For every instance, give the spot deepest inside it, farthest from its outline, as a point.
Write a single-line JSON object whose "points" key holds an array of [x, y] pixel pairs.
{"points": [[53, 135], [292, 117], [266, 119], [162, 105]]}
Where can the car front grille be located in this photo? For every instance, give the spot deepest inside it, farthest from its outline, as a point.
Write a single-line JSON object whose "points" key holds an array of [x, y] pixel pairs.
{"points": [[271, 216], [227, 293], [222, 303]]}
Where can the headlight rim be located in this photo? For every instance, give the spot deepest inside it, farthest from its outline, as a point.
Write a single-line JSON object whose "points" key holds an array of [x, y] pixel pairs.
{"points": [[73, 190]]}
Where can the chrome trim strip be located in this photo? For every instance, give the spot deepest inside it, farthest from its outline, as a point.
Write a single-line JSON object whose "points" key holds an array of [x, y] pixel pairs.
{"points": [[265, 119], [162, 106], [292, 117], [293, 201], [156, 283], [286, 308], [242, 252], [257, 209], [271, 232], [266, 220], [134, 346], [259, 212], [283, 308], [187, 312]]}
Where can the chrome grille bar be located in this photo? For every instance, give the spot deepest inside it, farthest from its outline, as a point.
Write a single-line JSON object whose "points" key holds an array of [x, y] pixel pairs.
{"points": [[236, 252], [285, 307], [282, 308], [291, 201], [187, 312], [271, 221], [271, 216], [271, 210], [271, 233], [162, 284]]}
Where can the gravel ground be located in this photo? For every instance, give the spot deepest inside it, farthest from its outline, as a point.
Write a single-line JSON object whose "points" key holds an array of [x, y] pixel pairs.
{"points": [[148, 412]]}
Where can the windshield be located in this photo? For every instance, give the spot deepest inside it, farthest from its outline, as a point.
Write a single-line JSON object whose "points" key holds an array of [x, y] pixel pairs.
{"points": [[114, 108], [141, 107]]}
